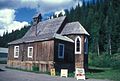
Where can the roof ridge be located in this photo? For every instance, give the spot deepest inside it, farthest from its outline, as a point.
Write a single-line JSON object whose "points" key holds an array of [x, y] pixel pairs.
{"points": [[53, 19]]}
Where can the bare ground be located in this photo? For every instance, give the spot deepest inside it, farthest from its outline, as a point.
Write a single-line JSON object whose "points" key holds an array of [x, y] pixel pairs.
{"points": [[15, 75]]}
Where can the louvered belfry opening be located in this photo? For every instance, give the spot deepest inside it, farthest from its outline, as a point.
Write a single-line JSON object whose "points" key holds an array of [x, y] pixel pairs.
{"points": [[37, 18]]}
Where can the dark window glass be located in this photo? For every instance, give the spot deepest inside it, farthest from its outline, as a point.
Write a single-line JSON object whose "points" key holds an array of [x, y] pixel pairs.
{"points": [[78, 45], [86, 46], [61, 51]]}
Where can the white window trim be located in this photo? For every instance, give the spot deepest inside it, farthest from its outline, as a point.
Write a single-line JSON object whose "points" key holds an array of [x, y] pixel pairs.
{"points": [[77, 52], [16, 51], [29, 52], [59, 51]]}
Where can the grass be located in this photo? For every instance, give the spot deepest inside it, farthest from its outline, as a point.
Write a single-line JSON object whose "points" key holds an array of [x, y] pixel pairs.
{"points": [[104, 73], [99, 73]]}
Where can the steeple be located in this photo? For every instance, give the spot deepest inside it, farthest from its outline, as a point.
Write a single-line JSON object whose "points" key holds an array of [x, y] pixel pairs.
{"points": [[37, 18]]}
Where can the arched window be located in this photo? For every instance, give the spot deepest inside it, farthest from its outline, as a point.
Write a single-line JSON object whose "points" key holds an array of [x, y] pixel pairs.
{"points": [[86, 45], [77, 45]]}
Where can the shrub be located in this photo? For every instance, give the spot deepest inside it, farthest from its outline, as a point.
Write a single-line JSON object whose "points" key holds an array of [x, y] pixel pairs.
{"points": [[103, 60], [115, 64], [92, 59], [35, 68]]}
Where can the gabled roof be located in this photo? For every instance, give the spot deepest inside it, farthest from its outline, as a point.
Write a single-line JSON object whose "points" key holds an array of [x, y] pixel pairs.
{"points": [[48, 26], [41, 38], [48, 29], [33, 38], [74, 28], [51, 26]]}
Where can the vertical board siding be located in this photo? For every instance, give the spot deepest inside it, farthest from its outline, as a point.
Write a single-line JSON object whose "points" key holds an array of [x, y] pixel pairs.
{"points": [[42, 51], [68, 60], [45, 54], [11, 53], [81, 60], [45, 51], [68, 52]]}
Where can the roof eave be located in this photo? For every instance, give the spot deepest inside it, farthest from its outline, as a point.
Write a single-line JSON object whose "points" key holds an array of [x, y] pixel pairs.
{"points": [[77, 34]]}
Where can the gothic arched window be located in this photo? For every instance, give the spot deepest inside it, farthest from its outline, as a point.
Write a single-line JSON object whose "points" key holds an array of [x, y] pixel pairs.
{"points": [[77, 45]]}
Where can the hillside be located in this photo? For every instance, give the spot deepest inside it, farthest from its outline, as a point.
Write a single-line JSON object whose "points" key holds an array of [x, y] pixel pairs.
{"points": [[8, 37]]}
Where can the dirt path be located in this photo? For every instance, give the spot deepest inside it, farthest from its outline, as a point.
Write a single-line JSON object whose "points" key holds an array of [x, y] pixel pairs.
{"points": [[15, 75]]}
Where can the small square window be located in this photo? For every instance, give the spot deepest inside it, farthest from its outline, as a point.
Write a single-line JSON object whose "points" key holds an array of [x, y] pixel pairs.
{"points": [[16, 51], [30, 52]]}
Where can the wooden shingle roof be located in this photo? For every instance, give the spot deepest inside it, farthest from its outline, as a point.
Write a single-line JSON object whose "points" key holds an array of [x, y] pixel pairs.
{"points": [[41, 37], [74, 28], [48, 26], [48, 29], [33, 38]]}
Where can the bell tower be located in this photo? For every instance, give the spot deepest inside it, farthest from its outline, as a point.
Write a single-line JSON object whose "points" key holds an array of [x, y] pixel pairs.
{"points": [[37, 18]]}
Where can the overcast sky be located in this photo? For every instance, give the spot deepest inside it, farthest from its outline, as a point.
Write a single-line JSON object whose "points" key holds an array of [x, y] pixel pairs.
{"points": [[14, 14]]}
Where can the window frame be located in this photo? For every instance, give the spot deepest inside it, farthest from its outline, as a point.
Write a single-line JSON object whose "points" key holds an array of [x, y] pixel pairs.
{"points": [[16, 56], [86, 45], [29, 52], [77, 52], [60, 44]]}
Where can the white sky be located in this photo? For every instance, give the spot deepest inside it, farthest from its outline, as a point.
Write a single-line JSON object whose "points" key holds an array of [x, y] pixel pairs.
{"points": [[7, 21]]}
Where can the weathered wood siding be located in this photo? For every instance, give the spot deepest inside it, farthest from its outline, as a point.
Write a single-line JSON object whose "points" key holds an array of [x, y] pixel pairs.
{"points": [[69, 58], [68, 52], [43, 56], [42, 51], [45, 51], [81, 60], [11, 52]]}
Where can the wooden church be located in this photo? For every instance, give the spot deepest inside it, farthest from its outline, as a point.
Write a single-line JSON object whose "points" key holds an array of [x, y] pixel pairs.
{"points": [[53, 43]]}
